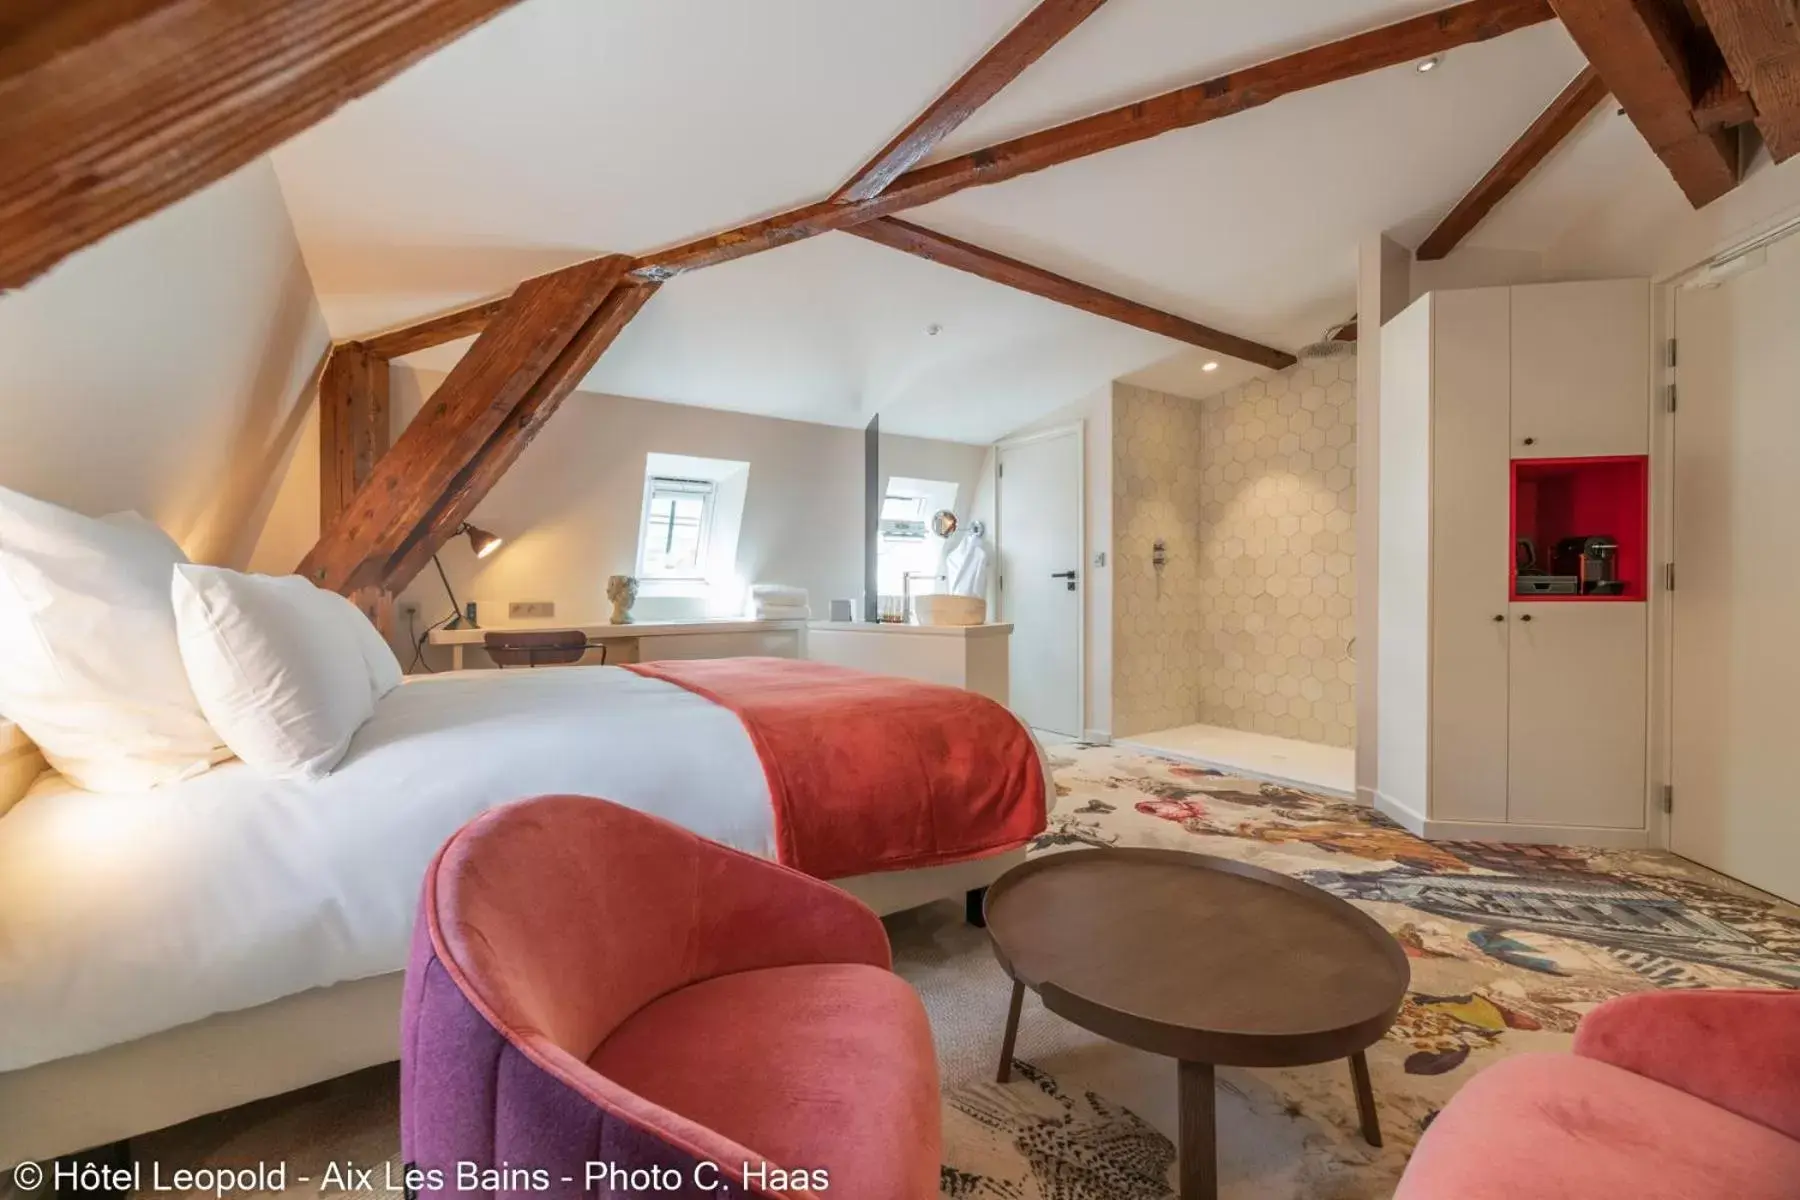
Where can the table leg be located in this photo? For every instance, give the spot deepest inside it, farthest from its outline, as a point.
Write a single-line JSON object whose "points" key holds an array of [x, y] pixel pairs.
{"points": [[1198, 1146], [456, 657], [1365, 1099], [973, 908], [1012, 1033]]}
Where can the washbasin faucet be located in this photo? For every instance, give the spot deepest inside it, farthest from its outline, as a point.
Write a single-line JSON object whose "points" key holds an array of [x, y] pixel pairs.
{"points": [[906, 599]]}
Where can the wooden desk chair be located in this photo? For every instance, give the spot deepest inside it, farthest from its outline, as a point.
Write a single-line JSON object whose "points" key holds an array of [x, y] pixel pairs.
{"points": [[537, 647]]}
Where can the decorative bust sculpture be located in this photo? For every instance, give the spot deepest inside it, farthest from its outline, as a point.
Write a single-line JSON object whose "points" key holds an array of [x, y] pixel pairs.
{"points": [[622, 590]]}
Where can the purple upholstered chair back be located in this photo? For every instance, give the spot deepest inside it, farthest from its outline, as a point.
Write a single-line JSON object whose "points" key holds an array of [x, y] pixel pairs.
{"points": [[543, 926]]}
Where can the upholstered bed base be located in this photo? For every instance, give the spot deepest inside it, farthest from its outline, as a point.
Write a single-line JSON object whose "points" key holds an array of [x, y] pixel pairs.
{"points": [[234, 1058], [230, 1059]]}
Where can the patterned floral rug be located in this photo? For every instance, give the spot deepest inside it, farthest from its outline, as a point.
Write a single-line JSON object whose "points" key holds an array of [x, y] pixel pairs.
{"points": [[1510, 945]]}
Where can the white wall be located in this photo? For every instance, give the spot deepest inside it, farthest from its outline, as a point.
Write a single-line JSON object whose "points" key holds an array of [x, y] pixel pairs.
{"points": [[1402, 738], [1383, 288], [570, 506], [160, 370]]}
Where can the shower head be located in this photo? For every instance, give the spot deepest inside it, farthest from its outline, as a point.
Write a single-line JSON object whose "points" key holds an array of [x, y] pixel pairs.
{"points": [[1329, 346]]}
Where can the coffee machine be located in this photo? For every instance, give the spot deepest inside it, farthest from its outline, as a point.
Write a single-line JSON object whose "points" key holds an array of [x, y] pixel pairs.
{"points": [[1593, 560]]}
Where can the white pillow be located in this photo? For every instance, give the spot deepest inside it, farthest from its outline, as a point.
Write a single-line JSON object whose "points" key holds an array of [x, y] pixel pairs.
{"points": [[277, 664], [385, 673], [89, 666]]}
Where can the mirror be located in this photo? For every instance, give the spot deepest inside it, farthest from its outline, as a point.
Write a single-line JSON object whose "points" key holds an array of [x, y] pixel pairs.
{"points": [[943, 522]]}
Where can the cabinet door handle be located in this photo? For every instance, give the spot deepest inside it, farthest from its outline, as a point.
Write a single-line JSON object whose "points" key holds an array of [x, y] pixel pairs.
{"points": [[1531, 441], [1499, 616], [1526, 617]]}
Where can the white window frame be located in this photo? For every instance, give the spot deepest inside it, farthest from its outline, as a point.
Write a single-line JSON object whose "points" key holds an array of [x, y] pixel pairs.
{"points": [[932, 494], [893, 527], [673, 485]]}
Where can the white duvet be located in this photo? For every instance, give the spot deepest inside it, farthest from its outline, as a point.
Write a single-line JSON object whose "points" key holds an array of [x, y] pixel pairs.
{"points": [[125, 914]]}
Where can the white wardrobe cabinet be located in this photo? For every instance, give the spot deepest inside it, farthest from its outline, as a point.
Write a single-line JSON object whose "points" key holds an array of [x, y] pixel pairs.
{"points": [[1578, 692], [1580, 368], [1502, 717]]}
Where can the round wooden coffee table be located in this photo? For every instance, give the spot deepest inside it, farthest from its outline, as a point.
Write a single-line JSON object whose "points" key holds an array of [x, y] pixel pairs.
{"points": [[1209, 961]]}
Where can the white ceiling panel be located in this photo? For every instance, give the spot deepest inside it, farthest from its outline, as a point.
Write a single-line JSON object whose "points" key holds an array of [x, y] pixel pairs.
{"points": [[1131, 50], [569, 128], [834, 330], [1251, 223]]}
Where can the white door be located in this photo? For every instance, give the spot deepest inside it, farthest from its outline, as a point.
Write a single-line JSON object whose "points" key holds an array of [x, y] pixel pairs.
{"points": [[1042, 577], [1735, 755], [1581, 369], [1576, 714]]}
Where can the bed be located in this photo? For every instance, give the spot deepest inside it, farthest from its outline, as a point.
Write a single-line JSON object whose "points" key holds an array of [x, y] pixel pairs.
{"points": [[232, 936]]}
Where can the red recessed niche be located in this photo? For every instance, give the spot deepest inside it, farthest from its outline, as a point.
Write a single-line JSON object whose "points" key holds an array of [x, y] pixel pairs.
{"points": [[1555, 499]]}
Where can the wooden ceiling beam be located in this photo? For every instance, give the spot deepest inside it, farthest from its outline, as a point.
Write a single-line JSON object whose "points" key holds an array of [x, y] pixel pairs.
{"points": [[1723, 104], [1571, 106], [1024, 44], [354, 432], [502, 449], [1391, 45], [113, 109], [434, 331], [1760, 40], [964, 256], [1649, 55], [523, 342], [354, 425]]}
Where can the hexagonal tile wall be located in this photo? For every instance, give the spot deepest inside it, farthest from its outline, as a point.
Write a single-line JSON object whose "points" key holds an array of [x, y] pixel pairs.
{"points": [[1249, 622]]}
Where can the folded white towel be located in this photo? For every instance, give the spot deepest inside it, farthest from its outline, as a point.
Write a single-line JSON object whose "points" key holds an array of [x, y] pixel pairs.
{"points": [[778, 593], [782, 612]]}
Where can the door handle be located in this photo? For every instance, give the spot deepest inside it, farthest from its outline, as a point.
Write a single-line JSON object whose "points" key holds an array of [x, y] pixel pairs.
{"points": [[1068, 575]]}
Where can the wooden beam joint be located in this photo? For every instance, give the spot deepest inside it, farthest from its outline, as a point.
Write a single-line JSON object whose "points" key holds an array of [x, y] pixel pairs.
{"points": [[520, 427], [1759, 41], [434, 331], [1655, 62], [525, 340], [1402, 42], [1028, 41], [1723, 105]]}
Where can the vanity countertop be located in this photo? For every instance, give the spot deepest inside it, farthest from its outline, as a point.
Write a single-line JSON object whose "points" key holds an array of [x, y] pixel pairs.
{"points": [[999, 629], [607, 631]]}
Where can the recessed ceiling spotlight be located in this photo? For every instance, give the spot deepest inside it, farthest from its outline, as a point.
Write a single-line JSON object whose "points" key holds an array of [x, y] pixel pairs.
{"points": [[1211, 366], [933, 329], [1430, 64]]}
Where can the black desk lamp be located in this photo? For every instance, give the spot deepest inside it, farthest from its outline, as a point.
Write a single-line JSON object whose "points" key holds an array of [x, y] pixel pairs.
{"points": [[484, 544]]}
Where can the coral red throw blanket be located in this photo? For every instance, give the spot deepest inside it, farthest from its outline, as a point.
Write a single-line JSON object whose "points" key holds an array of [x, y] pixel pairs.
{"points": [[873, 773]]}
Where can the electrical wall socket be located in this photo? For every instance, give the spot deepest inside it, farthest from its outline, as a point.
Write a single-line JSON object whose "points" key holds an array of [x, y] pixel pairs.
{"points": [[409, 610], [530, 610]]}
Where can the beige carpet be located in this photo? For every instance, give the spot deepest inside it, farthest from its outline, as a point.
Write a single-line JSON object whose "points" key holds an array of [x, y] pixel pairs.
{"points": [[1509, 946]]}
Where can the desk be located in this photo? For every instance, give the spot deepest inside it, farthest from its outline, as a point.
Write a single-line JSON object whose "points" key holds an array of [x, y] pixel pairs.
{"points": [[648, 641], [964, 656]]}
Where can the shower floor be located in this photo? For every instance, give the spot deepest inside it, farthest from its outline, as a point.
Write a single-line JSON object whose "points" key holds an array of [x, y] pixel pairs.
{"points": [[1329, 769]]}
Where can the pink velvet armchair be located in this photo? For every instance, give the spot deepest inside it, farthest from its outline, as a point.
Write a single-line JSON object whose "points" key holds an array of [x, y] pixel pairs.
{"points": [[605, 998], [1678, 1095]]}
